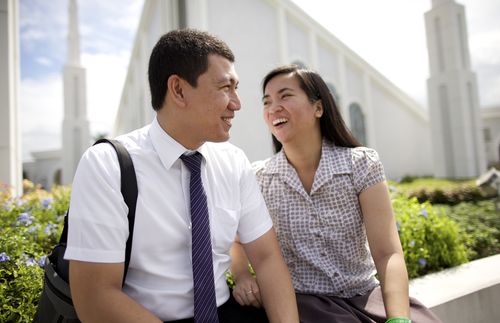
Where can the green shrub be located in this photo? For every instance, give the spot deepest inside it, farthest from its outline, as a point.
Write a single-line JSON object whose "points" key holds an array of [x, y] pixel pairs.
{"points": [[30, 227], [440, 191], [430, 240], [479, 224], [430, 236]]}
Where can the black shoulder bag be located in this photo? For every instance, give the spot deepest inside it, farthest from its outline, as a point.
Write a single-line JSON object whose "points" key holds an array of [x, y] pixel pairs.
{"points": [[55, 304]]}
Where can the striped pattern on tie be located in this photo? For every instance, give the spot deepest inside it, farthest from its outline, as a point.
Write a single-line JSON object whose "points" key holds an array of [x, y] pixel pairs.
{"points": [[205, 305]]}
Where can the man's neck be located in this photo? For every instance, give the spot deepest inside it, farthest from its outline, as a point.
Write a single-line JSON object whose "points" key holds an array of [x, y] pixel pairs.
{"points": [[177, 132]]}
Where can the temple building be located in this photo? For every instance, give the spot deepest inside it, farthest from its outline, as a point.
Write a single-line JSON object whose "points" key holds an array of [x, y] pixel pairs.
{"points": [[452, 137]]}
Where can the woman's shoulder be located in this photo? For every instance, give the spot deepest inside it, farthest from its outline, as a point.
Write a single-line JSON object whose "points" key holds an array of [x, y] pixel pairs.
{"points": [[352, 154], [261, 166], [363, 153]]}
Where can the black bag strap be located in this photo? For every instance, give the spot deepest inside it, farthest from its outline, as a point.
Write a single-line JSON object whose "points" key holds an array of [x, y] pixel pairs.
{"points": [[129, 192]]}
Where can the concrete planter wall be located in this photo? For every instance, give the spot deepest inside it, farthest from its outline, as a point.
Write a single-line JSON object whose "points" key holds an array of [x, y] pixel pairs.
{"points": [[464, 294]]}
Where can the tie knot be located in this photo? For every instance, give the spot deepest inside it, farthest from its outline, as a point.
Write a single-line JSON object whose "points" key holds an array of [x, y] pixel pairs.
{"points": [[193, 161]]}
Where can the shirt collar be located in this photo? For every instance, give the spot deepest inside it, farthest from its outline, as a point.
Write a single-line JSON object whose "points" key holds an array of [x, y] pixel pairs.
{"points": [[167, 148], [334, 160]]}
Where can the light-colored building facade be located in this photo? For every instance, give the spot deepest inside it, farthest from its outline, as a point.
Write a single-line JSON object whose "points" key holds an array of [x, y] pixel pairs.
{"points": [[274, 32], [10, 148], [45, 169], [75, 127], [490, 117], [458, 146]]}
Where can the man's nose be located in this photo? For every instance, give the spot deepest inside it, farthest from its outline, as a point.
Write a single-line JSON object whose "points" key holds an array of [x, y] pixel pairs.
{"points": [[234, 102]]}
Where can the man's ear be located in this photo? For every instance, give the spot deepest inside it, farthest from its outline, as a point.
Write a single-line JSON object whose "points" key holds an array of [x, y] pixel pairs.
{"points": [[175, 89]]}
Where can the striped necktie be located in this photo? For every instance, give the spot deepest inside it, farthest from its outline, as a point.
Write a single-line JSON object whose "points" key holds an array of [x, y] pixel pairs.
{"points": [[205, 305]]}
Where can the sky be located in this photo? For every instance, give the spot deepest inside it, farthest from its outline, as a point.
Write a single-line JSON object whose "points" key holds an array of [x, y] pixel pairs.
{"points": [[388, 34]]}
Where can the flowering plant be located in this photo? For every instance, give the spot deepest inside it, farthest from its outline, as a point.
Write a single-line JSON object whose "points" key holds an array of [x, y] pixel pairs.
{"points": [[31, 226], [430, 239]]}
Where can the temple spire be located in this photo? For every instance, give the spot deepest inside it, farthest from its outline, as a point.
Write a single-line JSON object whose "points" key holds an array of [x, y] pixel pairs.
{"points": [[73, 53], [75, 127], [453, 94]]}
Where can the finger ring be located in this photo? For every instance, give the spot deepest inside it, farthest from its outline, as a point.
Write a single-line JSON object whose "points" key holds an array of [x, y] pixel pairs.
{"points": [[249, 291]]}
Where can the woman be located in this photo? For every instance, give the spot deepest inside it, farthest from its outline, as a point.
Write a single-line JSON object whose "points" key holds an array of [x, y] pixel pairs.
{"points": [[331, 210]]}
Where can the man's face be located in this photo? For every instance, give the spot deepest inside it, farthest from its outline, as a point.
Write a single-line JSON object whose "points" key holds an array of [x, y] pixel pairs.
{"points": [[214, 101]]}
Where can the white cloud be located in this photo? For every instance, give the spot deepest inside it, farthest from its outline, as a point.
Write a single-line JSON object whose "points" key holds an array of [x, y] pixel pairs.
{"points": [[41, 105], [33, 34], [44, 61], [390, 36], [42, 101], [105, 78], [485, 47], [128, 19]]}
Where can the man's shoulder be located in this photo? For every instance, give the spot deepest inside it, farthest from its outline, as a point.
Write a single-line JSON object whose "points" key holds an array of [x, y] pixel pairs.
{"points": [[135, 139], [225, 149], [132, 141]]}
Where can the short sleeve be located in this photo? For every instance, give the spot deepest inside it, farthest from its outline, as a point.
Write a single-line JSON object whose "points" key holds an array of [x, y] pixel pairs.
{"points": [[98, 224], [367, 169], [255, 219]]}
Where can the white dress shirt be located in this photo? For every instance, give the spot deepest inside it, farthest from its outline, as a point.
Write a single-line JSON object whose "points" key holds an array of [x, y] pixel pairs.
{"points": [[160, 273]]}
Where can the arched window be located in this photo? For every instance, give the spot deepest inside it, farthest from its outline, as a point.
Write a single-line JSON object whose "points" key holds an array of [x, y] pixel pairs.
{"points": [[58, 177], [299, 64], [357, 122], [334, 92]]}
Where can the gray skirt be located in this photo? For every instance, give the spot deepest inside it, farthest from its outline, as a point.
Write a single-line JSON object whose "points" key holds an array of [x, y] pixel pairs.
{"points": [[368, 308]]}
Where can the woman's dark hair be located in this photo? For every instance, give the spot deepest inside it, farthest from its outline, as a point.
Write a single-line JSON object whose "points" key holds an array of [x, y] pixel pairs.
{"points": [[184, 53], [332, 125]]}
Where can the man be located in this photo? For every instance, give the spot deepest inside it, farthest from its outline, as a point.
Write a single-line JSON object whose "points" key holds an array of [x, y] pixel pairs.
{"points": [[193, 90]]}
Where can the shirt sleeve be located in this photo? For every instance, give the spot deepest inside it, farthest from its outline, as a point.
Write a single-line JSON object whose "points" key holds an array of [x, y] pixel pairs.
{"points": [[255, 220], [367, 168], [98, 224]]}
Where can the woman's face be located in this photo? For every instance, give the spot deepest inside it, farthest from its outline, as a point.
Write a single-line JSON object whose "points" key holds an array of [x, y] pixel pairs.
{"points": [[288, 112]]}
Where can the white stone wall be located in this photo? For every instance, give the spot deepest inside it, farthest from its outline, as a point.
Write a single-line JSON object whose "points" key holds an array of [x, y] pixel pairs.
{"points": [[452, 91], [463, 294], [10, 149], [45, 169], [491, 124], [267, 33]]}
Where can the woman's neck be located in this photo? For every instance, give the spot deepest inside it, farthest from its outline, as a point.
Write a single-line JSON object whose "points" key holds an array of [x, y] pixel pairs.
{"points": [[305, 156]]}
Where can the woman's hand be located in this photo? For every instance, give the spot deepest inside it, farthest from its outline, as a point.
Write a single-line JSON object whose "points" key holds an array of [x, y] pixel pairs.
{"points": [[246, 292]]}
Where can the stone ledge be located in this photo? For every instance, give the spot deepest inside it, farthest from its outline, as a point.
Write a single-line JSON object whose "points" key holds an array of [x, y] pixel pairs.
{"points": [[464, 293]]}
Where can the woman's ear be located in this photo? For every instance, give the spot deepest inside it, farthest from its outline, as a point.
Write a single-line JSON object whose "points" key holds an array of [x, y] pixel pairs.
{"points": [[319, 109], [175, 90]]}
